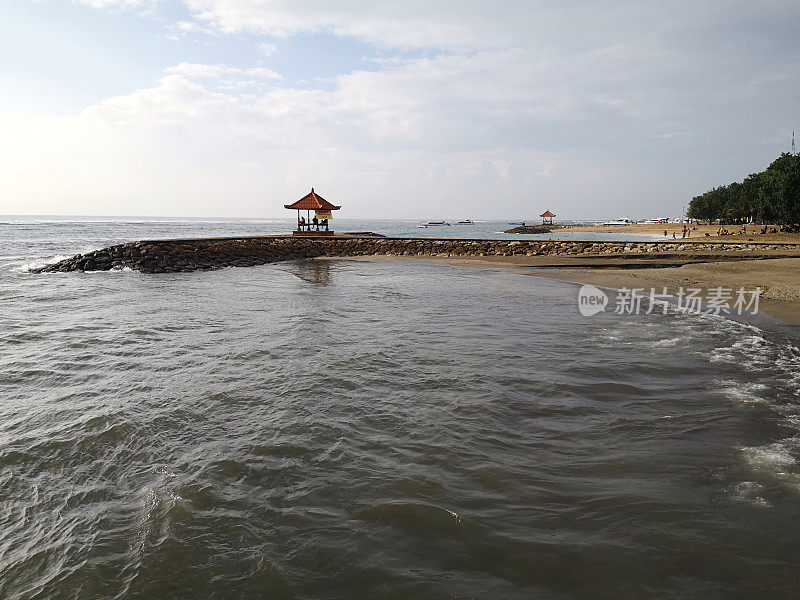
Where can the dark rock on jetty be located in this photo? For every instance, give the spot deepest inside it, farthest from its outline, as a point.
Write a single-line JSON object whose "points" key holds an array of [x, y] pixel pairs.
{"points": [[172, 256], [530, 229]]}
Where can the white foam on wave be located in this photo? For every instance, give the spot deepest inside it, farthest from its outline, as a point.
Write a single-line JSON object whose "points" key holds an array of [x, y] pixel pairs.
{"points": [[770, 376], [748, 351], [668, 342], [743, 393], [722, 323], [38, 263], [776, 461], [789, 361], [455, 515], [750, 492], [776, 457]]}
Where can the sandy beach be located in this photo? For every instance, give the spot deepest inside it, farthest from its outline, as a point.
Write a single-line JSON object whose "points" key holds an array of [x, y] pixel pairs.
{"points": [[753, 232]]}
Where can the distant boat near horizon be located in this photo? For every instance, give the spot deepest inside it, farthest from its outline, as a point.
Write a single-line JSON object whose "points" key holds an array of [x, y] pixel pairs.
{"points": [[433, 224], [516, 222], [622, 221], [466, 222]]}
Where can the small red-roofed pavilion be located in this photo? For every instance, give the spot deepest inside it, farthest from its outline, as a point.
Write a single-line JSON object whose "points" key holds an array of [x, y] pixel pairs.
{"points": [[322, 212], [547, 215]]}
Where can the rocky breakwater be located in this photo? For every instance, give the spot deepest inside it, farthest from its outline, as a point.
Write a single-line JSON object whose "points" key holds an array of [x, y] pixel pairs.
{"points": [[170, 256], [530, 229]]}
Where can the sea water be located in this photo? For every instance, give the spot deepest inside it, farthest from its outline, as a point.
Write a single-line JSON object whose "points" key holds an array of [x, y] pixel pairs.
{"points": [[345, 429]]}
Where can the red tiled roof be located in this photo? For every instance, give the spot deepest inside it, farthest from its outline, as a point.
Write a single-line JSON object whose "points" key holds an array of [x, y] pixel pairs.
{"points": [[312, 201], [547, 214]]}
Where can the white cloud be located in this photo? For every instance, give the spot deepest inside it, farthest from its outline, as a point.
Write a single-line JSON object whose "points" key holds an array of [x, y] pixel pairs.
{"points": [[200, 149], [195, 70], [184, 27], [118, 4], [201, 71], [589, 108], [263, 73], [267, 48]]}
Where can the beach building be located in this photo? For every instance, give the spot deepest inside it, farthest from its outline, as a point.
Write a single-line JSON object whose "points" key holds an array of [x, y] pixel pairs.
{"points": [[318, 225]]}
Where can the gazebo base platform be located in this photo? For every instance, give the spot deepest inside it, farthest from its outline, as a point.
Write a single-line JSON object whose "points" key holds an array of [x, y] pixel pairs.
{"points": [[305, 233]]}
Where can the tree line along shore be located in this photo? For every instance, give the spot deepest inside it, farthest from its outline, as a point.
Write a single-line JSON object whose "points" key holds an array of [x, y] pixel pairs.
{"points": [[771, 196]]}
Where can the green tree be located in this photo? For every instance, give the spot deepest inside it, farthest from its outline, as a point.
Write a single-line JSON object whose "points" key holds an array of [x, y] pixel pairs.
{"points": [[780, 189], [770, 196]]}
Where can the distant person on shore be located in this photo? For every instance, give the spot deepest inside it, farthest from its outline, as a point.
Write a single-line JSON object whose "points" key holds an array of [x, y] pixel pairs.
{"points": [[665, 233], [315, 221], [685, 229], [674, 237]]}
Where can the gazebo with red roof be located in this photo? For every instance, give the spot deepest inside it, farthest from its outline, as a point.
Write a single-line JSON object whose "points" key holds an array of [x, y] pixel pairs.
{"points": [[322, 212], [545, 215]]}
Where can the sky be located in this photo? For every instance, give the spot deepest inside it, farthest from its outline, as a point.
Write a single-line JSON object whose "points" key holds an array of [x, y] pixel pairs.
{"points": [[415, 109]]}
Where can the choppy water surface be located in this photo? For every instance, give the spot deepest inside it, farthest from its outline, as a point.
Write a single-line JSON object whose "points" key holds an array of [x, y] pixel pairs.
{"points": [[340, 429]]}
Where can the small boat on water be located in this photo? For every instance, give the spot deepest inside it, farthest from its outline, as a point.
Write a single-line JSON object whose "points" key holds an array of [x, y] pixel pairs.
{"points": [[622, 221], [516, 222], [433, 224], [466, 222]]}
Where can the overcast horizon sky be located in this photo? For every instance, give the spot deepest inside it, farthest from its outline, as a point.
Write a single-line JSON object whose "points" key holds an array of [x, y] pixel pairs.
{"points": [[415, 109]]}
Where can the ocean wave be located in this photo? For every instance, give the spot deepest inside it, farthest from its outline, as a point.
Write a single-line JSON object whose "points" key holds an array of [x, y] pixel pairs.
{"points": [[748, 350], [425, 519], [775, 458], [668, 342], [744, 393], [38, 263], [751, 493], [776, 462]]}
